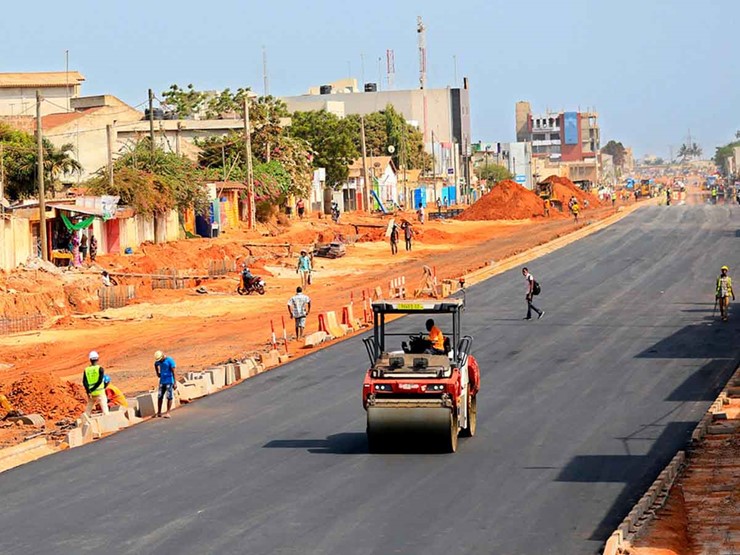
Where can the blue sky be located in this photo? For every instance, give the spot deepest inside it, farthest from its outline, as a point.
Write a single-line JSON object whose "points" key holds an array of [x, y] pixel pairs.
{"points": [[652, 69]]}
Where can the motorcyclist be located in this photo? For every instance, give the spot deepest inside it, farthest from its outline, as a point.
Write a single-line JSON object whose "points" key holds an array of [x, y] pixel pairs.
{"points": [[247, 276]]}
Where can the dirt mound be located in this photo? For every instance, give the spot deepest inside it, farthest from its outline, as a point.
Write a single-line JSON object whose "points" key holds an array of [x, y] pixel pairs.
{"points": [[563, 188], [506, 201], [40, 392]]}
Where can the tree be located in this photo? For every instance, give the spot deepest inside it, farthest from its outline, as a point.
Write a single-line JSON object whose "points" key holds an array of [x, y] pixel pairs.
{"points": [[227, 104], [689, 151], [723, 153], [616, 151], [270, 144], [153, 183], [185, 102], [331, 140], [493, 173], [19, 159], [389, 128]]}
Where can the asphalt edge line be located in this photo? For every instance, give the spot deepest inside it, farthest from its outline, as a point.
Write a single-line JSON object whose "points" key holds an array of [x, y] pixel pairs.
{"points": [[646, 509]]}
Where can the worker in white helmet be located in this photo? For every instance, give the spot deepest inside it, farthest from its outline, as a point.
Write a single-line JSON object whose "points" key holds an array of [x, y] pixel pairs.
{"points": [[93, 381]]}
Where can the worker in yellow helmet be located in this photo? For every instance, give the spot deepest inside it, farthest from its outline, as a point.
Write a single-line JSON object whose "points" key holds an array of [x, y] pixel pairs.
{"points": [[724, 292]]}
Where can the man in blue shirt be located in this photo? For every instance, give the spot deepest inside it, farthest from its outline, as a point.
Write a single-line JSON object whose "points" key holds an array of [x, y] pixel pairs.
{"points": [[165, 368]]}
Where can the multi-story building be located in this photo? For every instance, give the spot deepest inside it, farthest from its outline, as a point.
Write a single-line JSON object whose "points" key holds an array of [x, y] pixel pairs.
{"points": [[515, 157], [442, 115], [559, 136]]}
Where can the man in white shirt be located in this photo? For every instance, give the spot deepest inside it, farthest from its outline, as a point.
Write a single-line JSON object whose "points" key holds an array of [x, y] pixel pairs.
{"points": [[532, 290], [299, 307]]}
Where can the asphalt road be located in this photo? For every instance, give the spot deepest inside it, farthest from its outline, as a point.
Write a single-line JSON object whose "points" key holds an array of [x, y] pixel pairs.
{"points": [[578, 413]]}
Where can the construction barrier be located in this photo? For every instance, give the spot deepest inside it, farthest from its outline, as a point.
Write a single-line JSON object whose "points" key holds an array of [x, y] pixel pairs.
{"points": [[348, 317], [397, 288], [329, 324]]}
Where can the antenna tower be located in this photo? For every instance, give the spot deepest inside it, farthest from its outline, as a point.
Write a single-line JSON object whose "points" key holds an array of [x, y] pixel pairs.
{"points": [[390, 63], [264, 71], [421, 31]]}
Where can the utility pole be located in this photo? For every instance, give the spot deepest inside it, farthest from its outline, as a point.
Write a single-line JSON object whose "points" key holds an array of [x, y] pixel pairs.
{"points": [[40, 177], [2, 174], [365, 188], [248, 155], [66, 64], [109, 137], [177, 138], [151, 122]]}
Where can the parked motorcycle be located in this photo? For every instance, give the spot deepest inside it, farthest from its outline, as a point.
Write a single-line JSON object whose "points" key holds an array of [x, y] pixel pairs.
{"points": [[248, 285]]}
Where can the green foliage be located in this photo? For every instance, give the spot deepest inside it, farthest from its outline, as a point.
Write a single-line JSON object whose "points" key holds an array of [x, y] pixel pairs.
{"points": [[331, 139], [493, 173], [186, 102], [687, 152], [227, 104], [724, 152], [389, 128], [226, 155], [616, 151], [19, 159], [153, 183]]}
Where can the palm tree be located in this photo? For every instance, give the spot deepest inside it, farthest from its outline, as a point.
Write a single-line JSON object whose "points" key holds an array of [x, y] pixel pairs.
{"points": [[59, 162]]}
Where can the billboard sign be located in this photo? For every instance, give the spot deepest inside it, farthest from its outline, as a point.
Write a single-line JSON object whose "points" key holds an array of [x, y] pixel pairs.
{"points": [[570, 125]]}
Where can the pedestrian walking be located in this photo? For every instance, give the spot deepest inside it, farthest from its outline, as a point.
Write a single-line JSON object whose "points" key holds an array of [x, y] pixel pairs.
{"points": [[165, 366], [546, 203], [83, 247], [304, 269], [723, 293], [575, 209], [614, 198], [394, 238], [439, 205], [301, 208], [533, 288], [93, 248], [420, 213], [299, 306], [93, 379], [408, 234]]}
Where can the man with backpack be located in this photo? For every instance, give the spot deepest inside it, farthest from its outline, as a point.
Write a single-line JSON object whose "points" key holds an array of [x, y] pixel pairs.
{"points": [[533, 288]]}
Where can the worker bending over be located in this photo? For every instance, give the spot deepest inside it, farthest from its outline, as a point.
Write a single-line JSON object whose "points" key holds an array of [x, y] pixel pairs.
{"points": [[114, 395], [724, 292]]}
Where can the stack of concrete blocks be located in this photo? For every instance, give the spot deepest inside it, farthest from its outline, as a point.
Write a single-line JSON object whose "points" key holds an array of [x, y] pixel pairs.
{"points": [[197, 384], [147, 403], [270, 359], [316, 338], [230, 370], [248, 369], [218, 376]]}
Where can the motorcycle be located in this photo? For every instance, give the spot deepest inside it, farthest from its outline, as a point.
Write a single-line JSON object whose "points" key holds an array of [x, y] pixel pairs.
{"points": [[250, 285]]}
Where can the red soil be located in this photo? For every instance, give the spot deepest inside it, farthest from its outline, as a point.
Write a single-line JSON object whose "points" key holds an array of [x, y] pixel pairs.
{"points": [[48, 395], [506, 201]]}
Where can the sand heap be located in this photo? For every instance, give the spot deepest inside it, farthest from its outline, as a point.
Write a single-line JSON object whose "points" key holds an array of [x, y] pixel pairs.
{"points": [[42, 393], [506, 201], [564, 188]]}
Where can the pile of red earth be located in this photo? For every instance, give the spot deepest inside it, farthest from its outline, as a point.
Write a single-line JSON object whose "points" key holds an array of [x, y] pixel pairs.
{"points": [[507, 200], [42, 393], [563, 188]]}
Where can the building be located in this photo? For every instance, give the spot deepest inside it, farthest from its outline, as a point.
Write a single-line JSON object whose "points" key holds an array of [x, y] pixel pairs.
{"points": [[383, 188], [85, 127], [559, 136], [442, 115], [57, 88], [515, 157]]}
